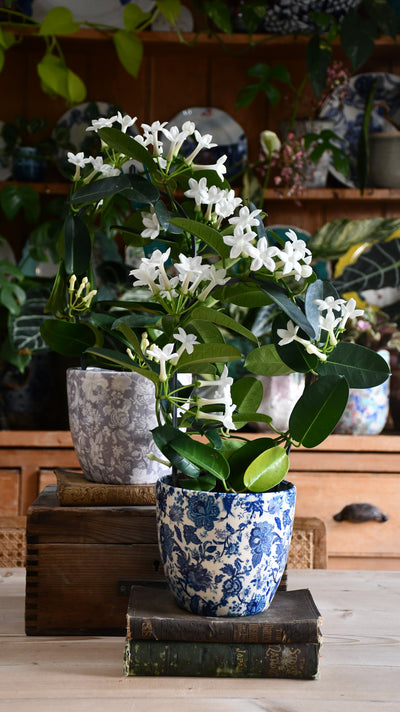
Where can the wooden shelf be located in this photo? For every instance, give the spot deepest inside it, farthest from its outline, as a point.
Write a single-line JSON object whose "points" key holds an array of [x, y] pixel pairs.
{"points": [[352, 194], [43, 188]]}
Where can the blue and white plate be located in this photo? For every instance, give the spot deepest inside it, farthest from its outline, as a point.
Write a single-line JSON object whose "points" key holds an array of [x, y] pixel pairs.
{"points": [[76, 121], [226, 132], [346, 109]]}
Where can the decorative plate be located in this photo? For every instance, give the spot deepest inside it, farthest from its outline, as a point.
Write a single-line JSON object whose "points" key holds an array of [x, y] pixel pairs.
{"points": [[346, 109], [5, 161], [75, 121], [225, 131], [284, 18], [107, 12]]}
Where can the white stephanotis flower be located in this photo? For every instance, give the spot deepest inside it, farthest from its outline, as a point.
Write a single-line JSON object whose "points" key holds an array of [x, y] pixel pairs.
{"points": [[246, 219], [198, 191], [216, 277], [349, 311], [204, 141], [241, 243], [145, 276], [102, 123], [290, 334], [227, 203], [191, 271], [264, 256], [188, 341], [330, 304], [125, 121], [151, 224], [109, 171], [219, 167], [162, 356], [79, 161], [329, 323]]}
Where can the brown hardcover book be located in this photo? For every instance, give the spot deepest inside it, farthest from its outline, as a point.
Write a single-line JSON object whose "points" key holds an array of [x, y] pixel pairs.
{"points": [[291, 618], [74, 490], [208, 659]]}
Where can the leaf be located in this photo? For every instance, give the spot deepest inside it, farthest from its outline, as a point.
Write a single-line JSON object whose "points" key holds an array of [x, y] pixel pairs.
{"points": [[134, 187], [242, 456], [15, 198], [129, 49], [66, 338], [76, 89], [361, 367], [205, 353], [53, 74], [318, 410], [241, 294], [77, 246], [319, 58], [288, 307], [59, 21], [320, 289], [336, 236], [204, 232], [134, 16], [218, 317], [376, 268], [201, 455], [218, 12], [357, 36], [265, 361], [267, 470], [127, 145], [247, 393], [170, 9], [122, 361]]}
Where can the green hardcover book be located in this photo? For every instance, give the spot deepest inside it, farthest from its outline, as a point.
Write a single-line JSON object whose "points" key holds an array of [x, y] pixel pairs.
{"points": [[291, 618], [207, 659]]}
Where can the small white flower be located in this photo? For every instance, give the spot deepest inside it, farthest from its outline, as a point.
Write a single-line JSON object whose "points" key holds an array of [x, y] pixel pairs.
{"points": [[77, 159], [227, 203], [219, 167], [328, 323], [151, 223], [264, 256], [241, 243], [330, 303], [188, 341], [162, 356], [349, 311], [216, 277], [287, 335], [150, 132], [109, 171], [198, 190], [102, 123], [202, 142], [246, 219], [126, 121], [145, 276], [190, 271]]}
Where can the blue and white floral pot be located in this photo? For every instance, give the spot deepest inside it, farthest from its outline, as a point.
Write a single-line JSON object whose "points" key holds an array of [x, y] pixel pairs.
{"points": [[224, 553]]}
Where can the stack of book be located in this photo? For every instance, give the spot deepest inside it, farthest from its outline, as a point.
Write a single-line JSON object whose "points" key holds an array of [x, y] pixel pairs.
{"points": [[162, 639]]}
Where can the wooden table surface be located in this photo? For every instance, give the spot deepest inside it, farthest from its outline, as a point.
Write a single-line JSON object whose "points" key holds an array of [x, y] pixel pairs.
{"points": [[359, 671]]}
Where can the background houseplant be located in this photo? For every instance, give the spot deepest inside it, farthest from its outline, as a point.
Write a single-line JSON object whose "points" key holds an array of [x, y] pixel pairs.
{"points": [[206, 250]]}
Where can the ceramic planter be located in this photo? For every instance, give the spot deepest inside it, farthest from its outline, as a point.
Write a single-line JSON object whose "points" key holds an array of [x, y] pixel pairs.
{"points": [[111, 414], [224, 553], [367, 409]]}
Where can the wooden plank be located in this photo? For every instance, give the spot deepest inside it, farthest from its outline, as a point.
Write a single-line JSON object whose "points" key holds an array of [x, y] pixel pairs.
{"points": [[9, 489]]}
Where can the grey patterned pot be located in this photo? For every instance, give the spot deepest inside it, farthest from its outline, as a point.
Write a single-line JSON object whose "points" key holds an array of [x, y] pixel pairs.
{"points": [[111, 414], [224, 553]]}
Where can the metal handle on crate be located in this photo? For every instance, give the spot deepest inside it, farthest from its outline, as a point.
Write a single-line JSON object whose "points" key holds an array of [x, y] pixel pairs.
{"points": [[360, 512]]}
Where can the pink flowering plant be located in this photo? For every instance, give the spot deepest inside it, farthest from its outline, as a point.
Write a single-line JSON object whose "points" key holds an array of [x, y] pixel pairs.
{"points": [[205, 250]]}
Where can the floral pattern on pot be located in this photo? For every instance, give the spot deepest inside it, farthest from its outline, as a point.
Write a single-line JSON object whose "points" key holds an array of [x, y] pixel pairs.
{"points": [[111, 415], [224, 553]]}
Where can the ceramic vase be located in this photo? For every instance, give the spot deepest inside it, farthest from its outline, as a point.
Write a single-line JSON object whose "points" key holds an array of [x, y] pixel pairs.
{"points": [[367, 409], [224, 553], [111, 415]]}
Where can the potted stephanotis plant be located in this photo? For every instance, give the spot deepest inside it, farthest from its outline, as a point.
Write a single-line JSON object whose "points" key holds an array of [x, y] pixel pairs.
{"points": [[224, 510]]}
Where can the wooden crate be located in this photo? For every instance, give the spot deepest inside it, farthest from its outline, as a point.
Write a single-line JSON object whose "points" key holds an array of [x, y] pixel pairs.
{"points": [[81, 562]]}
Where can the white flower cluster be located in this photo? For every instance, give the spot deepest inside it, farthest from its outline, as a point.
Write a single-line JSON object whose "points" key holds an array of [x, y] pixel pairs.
{"points": [[190, 275], [329, 322]]}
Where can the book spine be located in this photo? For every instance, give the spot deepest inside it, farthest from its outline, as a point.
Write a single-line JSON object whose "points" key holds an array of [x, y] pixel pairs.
{"points": [[181, 658], [300, 631]]}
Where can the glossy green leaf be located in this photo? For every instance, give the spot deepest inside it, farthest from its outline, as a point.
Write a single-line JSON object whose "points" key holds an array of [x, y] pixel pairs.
{"points": [[247, 393], [134, 187], [77, 246], [129, 49], [128, 146], [76, 89], [67, 338], [59, 21], [14, 198], [288, 307], [267, 470], [206, 353], [201, 455], [265, 361], [318, 410], [361, 367], [204, 232], [242, 294], [222, 319], [203, 483], [207, 332]]}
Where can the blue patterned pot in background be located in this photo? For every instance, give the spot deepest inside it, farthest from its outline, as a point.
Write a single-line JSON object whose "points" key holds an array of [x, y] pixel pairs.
{"points": [[367, 409], [224, 553]]}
